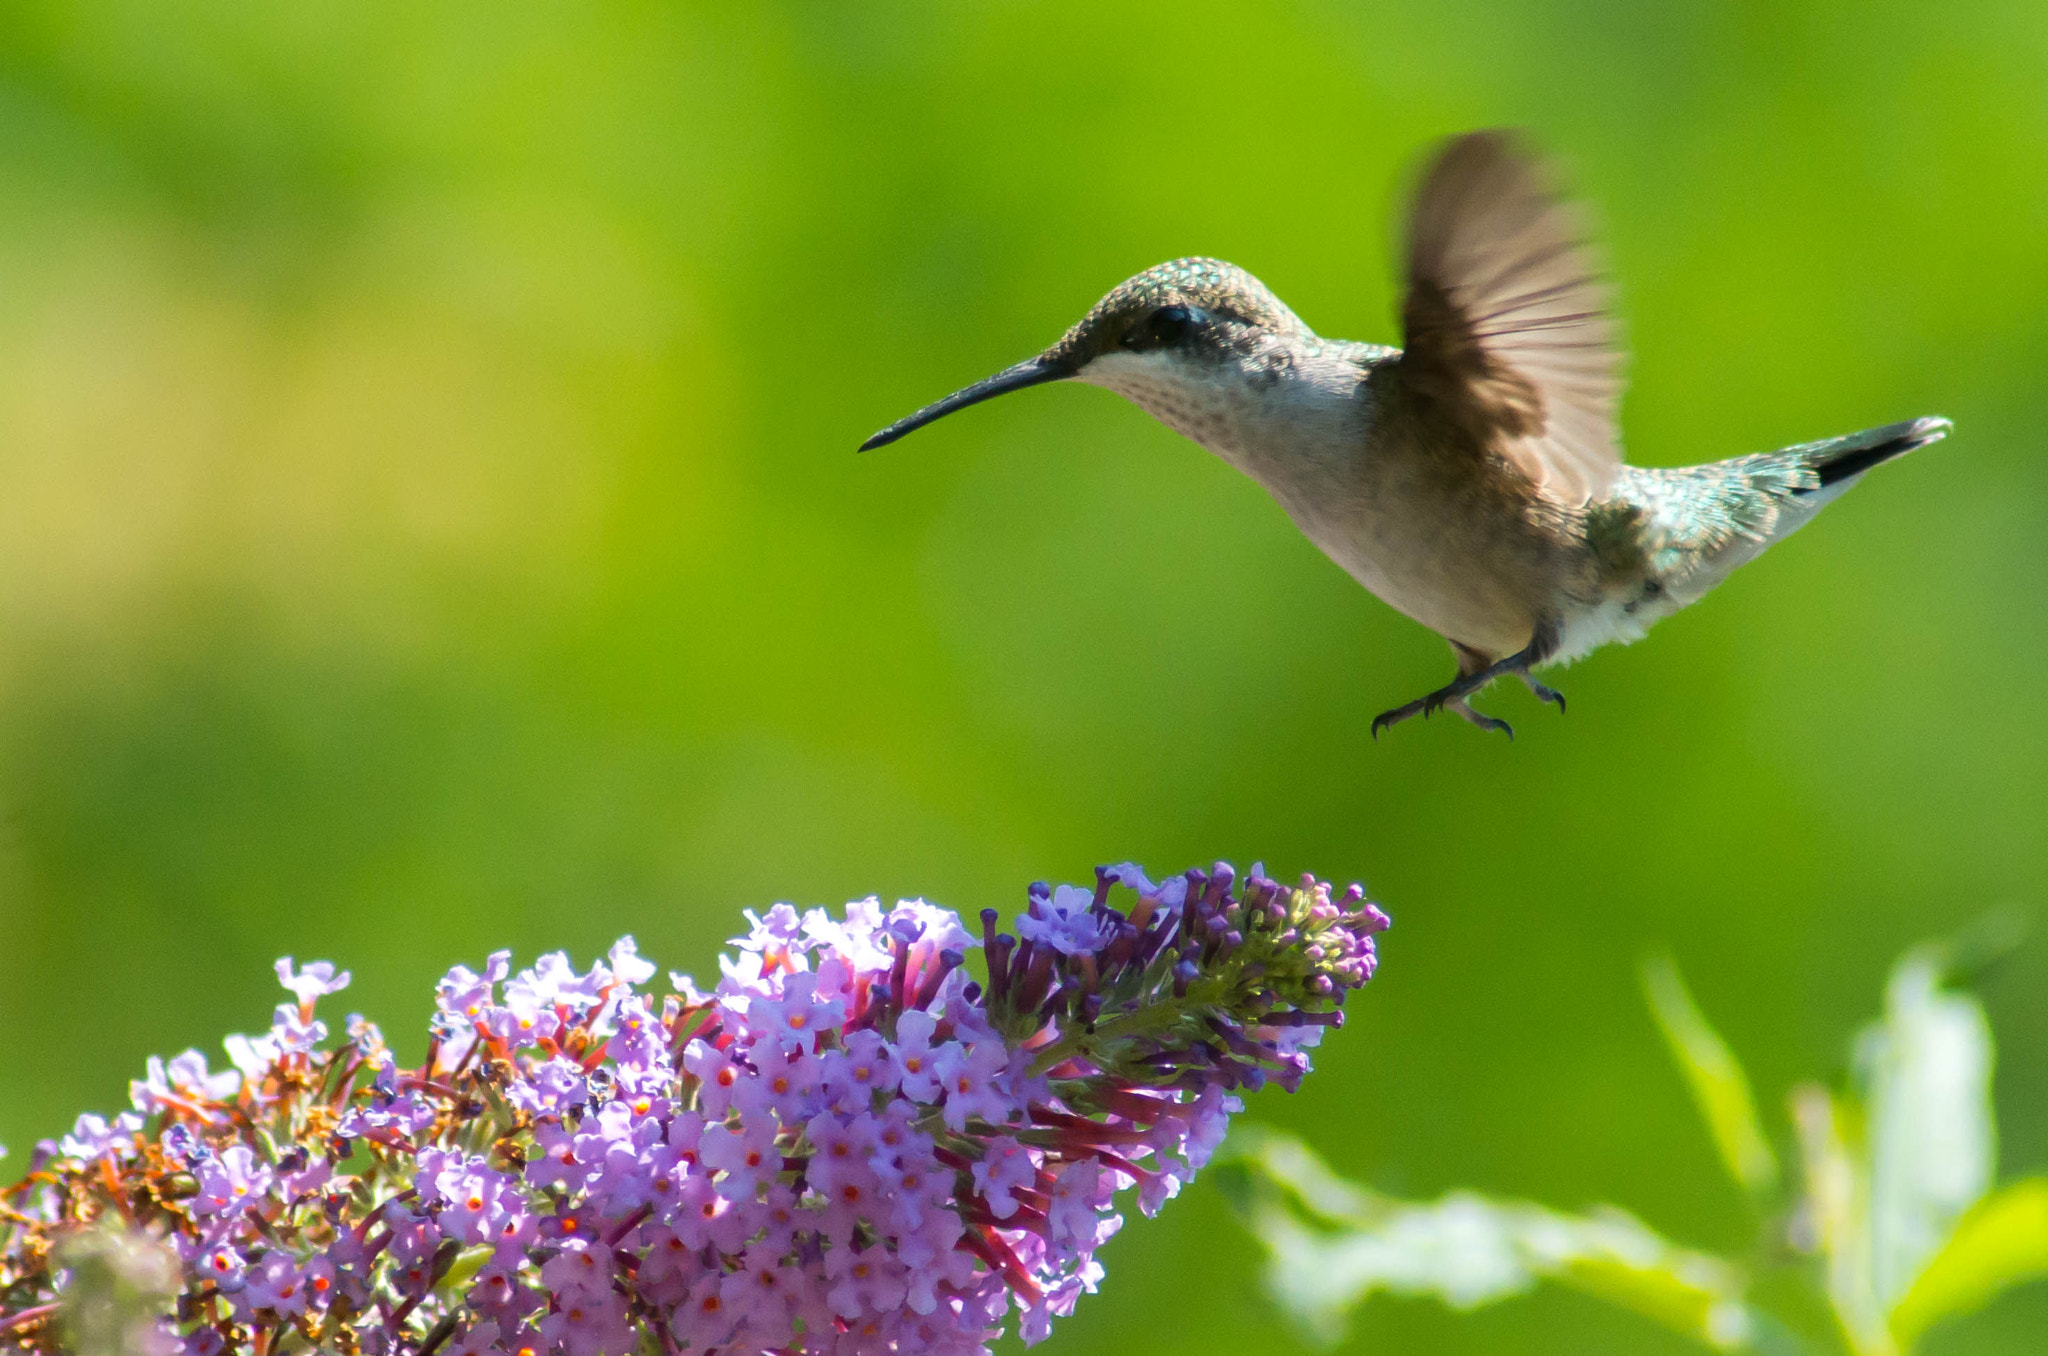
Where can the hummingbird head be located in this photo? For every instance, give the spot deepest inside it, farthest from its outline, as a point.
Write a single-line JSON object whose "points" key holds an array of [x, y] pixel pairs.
{"points": [[1157, 339]]}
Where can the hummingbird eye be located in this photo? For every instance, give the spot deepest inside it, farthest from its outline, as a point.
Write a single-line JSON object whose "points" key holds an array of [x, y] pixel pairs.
{"points": [[1164, 328]]}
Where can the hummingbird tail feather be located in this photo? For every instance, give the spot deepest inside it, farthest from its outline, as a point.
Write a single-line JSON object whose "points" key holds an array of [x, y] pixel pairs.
{"points": [[1838, 459], [1696, 525]]}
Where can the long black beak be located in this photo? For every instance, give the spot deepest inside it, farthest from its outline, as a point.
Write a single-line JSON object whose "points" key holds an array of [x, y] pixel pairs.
{"points": [[1030, 372]]}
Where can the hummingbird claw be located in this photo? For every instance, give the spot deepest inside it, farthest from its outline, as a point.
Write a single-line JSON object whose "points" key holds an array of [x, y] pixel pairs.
{"points": [[1543, 693], [1386, 719], [1483, 721]]}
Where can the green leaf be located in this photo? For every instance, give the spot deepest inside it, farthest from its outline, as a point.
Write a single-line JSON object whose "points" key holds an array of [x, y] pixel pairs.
{"points": [[1890, 1172], [463, 1270], [1719, 1086], [116, 1285], [1926, 1068], [1286, 1162], [1836, 1208], [1317, 1276], [1333, 1244], [1999, 1244]]}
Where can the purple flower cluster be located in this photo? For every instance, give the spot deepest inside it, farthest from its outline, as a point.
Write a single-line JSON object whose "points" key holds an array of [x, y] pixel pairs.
{"points": [[848, 1146]]}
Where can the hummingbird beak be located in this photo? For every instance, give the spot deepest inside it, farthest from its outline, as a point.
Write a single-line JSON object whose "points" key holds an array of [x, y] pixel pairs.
{"points": [[1030, 372]]}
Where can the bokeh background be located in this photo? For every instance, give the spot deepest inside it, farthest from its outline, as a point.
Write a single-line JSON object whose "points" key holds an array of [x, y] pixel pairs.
{"points": [[429, 523]]}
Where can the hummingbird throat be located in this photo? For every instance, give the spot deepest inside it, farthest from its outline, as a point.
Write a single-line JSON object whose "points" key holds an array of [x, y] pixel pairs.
{"points": [[1214, 405]]}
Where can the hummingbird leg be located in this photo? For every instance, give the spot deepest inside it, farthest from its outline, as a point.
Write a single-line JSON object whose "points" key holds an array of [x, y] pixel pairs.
{"points": [[1541, 646], [1471, 663]]}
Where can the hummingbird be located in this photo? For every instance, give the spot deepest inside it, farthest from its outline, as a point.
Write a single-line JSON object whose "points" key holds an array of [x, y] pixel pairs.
{"points": [[1473, 477]]}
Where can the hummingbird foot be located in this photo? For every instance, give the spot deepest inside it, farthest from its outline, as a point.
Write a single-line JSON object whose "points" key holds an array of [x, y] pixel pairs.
{"points": [[1394, 717], [1474, 673], [1443, 699], [1480, 718], [1543, 693]]}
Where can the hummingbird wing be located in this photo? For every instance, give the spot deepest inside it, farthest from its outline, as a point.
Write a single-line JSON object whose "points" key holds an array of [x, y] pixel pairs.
{"points": [[1506, 323]]}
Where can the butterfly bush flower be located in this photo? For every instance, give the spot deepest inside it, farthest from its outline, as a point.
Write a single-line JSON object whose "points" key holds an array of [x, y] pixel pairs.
{"points": [[848, 1147]]}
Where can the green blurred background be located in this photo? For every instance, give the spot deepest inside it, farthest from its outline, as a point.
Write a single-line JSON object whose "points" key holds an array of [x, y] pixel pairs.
{"points": [[429, 523]]}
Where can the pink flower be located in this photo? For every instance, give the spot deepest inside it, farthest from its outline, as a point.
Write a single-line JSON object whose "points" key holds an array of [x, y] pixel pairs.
{"points": [[1005, 1167], [314, 982], [523, 1021], [855, 1075], [839, 1151], [275, 1284], [969, 1078], [783, 1078], [555, 1162], [1076, 1200], [762, 1294], [715, 1074], [916, 1057], [795, 1019], [744, 1156], [668, 1267], [231, 1182], [582, 1267], [865, 1281], [589, 1325]]}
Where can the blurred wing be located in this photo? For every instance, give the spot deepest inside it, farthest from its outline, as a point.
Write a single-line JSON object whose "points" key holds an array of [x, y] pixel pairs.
{"points": [[1507, 330]]}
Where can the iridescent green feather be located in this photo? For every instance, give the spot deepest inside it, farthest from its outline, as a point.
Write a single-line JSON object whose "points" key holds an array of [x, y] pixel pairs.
{"points": [[1683, 516]]}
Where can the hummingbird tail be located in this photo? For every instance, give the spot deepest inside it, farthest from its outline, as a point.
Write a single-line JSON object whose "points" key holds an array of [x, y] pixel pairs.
{"points": [[1835, 460], [1698, 524]]}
